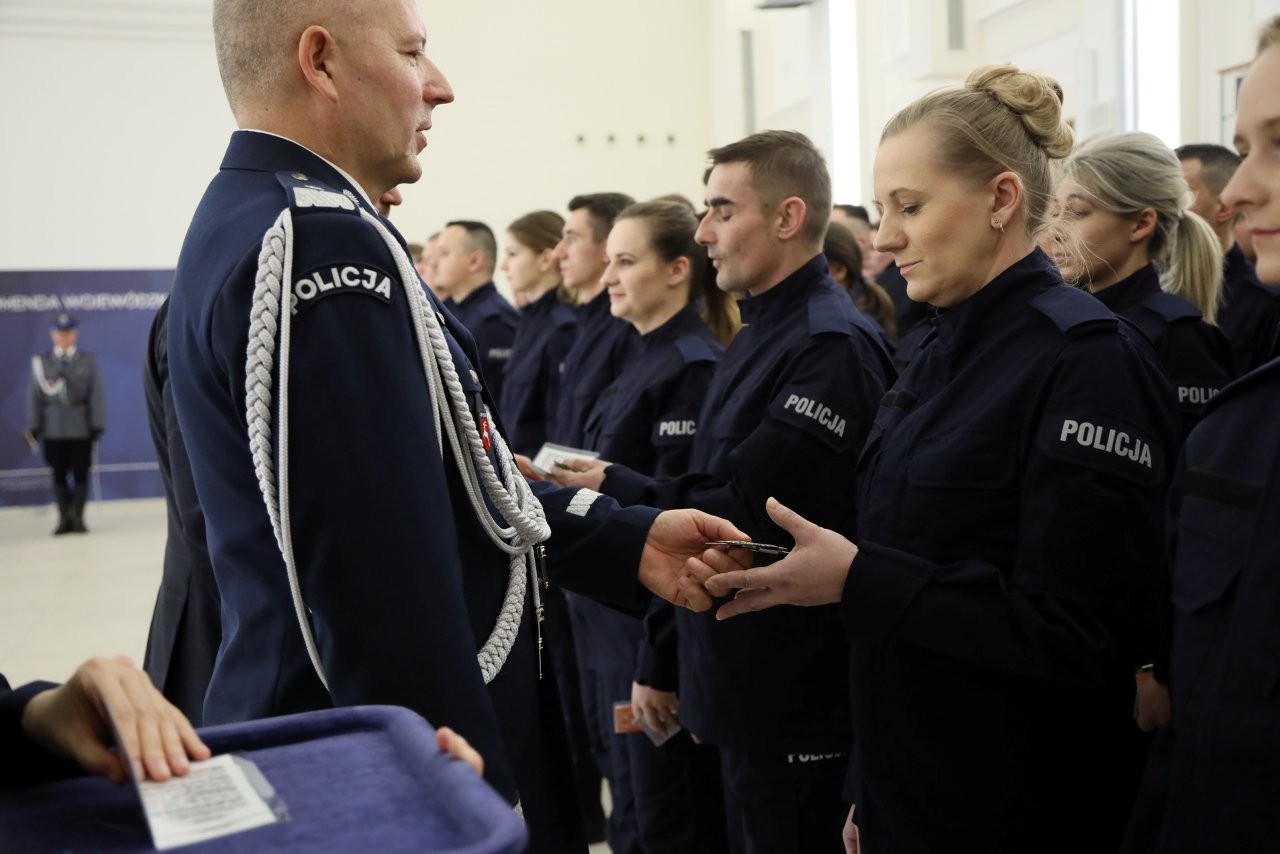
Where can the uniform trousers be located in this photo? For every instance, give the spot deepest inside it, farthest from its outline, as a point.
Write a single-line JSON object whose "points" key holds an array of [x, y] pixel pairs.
{"points": [[69, 456], [784, 802]]}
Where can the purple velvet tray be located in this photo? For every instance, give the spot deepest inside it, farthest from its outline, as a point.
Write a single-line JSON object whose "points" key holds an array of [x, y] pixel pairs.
{"points": [[365, 778]]}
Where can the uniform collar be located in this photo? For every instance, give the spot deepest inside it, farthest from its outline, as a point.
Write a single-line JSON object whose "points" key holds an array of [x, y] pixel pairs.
{"points": [[261, 149], [679, 324], [544, 303], [68, 353], [480, 294], [987, 311], [791, 292], [1132, 290], [598, 306]]}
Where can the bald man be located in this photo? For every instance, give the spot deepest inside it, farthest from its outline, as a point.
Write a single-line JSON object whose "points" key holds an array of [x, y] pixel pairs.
{"points": [[349, 464]]}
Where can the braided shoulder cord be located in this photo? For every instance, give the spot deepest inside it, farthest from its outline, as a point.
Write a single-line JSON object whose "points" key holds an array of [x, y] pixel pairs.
{"points": [[510, 494]]}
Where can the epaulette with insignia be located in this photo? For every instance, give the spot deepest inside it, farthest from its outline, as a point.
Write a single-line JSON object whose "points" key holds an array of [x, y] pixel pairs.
{"points": [[695, 348], [831, 313], [1073, 311], [306, 193]]}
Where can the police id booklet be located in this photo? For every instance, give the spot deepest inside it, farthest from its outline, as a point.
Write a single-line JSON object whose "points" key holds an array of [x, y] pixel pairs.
{"points": [[551, 453]]}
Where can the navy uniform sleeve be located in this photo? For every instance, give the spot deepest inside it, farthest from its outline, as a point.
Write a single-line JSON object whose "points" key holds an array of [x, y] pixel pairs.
{"points": [[1089, 536], [802, 452], [25, 763], [374, 531], [1198, 362], [658, 659], [676, 422]]}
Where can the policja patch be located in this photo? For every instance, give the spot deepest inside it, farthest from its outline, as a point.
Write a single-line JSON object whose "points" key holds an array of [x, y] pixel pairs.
{"points": [[340, 278]]}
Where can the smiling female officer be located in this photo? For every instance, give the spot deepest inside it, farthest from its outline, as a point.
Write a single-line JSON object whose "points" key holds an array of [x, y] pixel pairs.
{"points": [[657, 280], [1009, 508]]}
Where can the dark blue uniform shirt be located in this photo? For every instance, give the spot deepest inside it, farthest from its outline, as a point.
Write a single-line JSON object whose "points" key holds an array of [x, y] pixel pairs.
{"points": [[492, 322], [604, 347], [785, 416], [1250, 313], [1195, 355], [1009, 515], [1225, 666], [401, 583], [530, 388]]}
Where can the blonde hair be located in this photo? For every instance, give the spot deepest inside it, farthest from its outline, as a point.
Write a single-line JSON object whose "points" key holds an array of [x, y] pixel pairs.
{"points": [[1270, 34], [1126, 173], [1001, 119]]}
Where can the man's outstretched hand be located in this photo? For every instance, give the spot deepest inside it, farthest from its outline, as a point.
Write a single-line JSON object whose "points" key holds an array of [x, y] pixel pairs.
{"points": [[676, 537]]}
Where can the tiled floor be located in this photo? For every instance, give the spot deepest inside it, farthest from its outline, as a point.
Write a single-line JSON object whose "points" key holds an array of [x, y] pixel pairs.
{"points": [[64, 599]]}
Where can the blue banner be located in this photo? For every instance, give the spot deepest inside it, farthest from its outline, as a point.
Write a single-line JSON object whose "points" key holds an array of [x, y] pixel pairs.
{"points": [[114, 309]]}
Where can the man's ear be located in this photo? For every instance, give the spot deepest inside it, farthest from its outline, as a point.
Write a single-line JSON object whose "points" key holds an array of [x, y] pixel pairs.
{"points": [[315, 61], [791, 214]]}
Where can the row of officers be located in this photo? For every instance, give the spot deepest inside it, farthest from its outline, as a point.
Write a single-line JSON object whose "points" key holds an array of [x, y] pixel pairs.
{"points": [[975, 499]]}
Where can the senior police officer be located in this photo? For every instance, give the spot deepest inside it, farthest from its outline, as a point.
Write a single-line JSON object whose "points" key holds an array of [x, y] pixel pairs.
{"points": [[366, 530], [465, 258], [66, 408], [786, 413]]}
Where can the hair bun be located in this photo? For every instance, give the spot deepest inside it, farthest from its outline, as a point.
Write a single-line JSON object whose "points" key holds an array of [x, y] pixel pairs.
{"points": [[1034, 98]]}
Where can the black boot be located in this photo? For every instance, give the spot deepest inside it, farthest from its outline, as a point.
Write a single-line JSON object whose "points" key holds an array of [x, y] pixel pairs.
{"points": [[63, 495], [77, 509]]}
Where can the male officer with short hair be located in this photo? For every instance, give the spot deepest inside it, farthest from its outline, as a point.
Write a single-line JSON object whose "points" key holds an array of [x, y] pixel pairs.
{"points": [[1250, 312], [370, 540], [788, 409], [66, 408], [465, 257]]}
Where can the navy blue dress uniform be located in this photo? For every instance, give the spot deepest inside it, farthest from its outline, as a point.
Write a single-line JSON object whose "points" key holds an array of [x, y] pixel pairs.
{"points": [[1225, 662], [186, 624], [66, 409], [913, 319], [786, 415], [1250, 313], [492, 322], [1009, 521], [530, 387], [1195, 355], [401, 584], [646, 419], [603, 348]]}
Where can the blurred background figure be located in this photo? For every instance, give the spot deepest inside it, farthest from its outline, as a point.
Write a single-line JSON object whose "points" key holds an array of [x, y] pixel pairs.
{"points": [[66, 410]]}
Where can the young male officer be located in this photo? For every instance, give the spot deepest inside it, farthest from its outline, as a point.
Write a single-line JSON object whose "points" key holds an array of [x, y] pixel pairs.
{"points": [[66, 407], [353, 539], [1250, 313], [604, 344], [466, 256], [786, 414]]}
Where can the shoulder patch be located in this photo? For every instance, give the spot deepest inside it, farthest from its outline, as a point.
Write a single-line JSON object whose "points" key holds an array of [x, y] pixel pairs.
{"points": [[1072, 310], [807, 410], [1171, 307], [330, 279], [831, 313], [695, 348], [306, 193], [1099, 440]]}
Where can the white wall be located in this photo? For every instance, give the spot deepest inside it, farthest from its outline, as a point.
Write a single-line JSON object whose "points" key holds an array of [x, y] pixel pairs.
{"points": [[115, 120]]}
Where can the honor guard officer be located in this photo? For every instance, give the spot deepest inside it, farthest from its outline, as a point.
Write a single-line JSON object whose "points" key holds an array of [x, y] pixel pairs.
{"points": [[1009, 508], [647, 418], [370, 539], [66, 408], [544, 333], [1250, 311], [604, 344], [1131, 241], [1225, 549], [466, 255], [786, 414]]}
